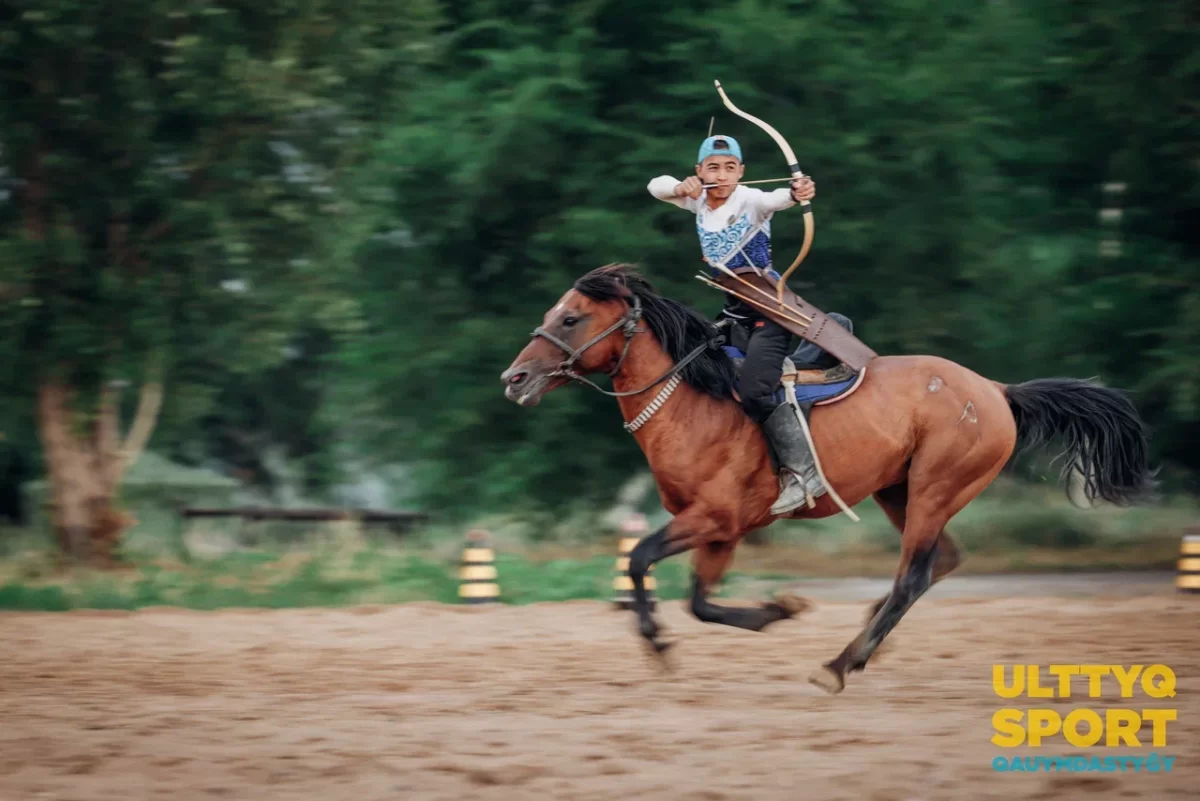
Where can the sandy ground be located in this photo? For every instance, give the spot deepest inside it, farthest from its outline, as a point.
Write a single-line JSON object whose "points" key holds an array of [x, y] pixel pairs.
{"points": [[558, 701]]}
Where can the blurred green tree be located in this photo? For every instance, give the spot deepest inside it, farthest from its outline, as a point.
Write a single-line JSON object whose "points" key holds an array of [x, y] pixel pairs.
{"points": [[959, 157], [177, 183], [337, 223]]}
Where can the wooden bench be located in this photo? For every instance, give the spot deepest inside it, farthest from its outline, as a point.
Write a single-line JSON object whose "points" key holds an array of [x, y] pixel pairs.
{"points": [[397, 521]]}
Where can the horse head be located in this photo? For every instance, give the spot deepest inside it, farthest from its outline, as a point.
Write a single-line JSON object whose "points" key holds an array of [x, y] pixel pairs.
{"points": [[587, 331]]}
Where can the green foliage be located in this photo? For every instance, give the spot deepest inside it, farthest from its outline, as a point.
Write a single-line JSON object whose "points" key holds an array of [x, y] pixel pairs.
{"points": [[1010, 528], [403, 189], [959, 158], [178, 182], [23, 598], [264, 580], [1007, 532]]}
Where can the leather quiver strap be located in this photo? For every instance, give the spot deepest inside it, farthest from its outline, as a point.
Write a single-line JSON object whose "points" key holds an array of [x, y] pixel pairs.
{"points": [[822, 332]]}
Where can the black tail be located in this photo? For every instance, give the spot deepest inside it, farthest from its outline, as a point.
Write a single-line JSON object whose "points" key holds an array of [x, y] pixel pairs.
{"points": [[1105, 439]]}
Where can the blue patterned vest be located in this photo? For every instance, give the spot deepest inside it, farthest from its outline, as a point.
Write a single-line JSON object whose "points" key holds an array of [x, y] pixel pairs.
{"points": [[723, 244], [719, 245]]}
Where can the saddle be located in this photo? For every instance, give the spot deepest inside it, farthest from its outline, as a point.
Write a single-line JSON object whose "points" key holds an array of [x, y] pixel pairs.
{"points": [[808, 387], [802, 384]]}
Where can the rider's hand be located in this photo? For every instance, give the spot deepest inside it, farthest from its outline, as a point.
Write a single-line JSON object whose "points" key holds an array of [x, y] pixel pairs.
{"points": [[803, 189], [692, 188]]}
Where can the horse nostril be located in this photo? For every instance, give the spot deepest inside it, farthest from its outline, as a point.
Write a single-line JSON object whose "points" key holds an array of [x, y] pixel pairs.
{"points": [[517, 379]]}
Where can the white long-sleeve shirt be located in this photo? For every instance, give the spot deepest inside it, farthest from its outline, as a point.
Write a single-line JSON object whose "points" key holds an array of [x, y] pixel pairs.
{"points": [[722, 230]]}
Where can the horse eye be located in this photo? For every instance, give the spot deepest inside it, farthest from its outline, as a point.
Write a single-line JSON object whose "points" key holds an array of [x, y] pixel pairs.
{"points": [[569, 321]]}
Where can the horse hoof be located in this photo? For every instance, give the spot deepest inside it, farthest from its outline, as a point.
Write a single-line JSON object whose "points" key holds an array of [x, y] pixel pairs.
{"points": [[828, 680], [661, 654], [792, 605]]}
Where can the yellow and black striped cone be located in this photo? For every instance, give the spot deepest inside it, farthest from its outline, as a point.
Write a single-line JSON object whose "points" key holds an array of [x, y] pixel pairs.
{"points": [[1188, 577], [632, 531], [477, 575]]}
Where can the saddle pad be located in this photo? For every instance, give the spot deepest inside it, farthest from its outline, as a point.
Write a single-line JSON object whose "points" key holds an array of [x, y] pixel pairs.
{"points": [[805, 393], [815, 393]]}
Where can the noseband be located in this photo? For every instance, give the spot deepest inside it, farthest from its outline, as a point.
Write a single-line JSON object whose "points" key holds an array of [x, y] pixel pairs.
{"points": [[628, 325]]}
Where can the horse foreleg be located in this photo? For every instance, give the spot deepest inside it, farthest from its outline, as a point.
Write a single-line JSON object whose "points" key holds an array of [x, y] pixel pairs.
{"points": [[652, 548], [710, 564]]}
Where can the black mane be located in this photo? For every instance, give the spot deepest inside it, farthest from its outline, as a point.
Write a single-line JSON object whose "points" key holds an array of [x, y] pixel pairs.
{"points": [[678, 329]]}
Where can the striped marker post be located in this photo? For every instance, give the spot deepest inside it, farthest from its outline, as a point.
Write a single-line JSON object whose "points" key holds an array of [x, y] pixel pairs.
{"points": [[1188, 577], [633, 529], [477, 575]]}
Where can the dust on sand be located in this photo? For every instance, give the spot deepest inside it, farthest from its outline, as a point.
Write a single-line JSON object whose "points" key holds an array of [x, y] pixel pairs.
{"points": [[559, 701]]}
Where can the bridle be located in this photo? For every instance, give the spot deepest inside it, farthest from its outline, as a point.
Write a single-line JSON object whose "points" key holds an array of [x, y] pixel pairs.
{"points": [[628, 325]]}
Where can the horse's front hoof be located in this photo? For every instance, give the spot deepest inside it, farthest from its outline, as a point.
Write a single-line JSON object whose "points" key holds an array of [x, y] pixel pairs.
{"points": [[661, 654], [792, 605], [828, 680]]}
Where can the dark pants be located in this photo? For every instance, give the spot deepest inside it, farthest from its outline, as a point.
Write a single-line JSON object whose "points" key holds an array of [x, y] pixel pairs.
{"points": [[765, 350], [762, 368]]}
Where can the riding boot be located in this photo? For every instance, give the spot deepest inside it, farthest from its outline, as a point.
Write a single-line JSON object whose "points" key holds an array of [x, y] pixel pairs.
{"points": [[797, 469]]}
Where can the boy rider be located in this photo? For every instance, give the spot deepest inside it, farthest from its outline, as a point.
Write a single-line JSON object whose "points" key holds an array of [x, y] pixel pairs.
{"points": [[734, 226]]}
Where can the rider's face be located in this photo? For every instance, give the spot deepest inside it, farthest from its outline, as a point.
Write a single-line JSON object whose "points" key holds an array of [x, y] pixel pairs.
{"points": [[724, 171]]}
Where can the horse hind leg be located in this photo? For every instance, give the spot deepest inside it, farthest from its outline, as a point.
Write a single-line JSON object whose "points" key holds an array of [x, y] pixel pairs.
{"points": [[926, 515], [913, 578], [947, 557], [709, 564], [948, 554]]}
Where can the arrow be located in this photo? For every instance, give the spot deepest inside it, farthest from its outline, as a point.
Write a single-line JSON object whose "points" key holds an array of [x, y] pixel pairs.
{"points": [[748, 183]]}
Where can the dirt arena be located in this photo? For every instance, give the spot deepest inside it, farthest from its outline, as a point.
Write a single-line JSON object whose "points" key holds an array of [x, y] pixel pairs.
{"points": [[558, 701]]}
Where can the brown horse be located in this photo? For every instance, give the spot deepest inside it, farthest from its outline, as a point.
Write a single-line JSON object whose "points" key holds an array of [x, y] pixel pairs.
{"points": [[922, 435]]}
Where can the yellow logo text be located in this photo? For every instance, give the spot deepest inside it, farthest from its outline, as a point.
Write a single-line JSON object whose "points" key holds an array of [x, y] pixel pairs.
{"points": [[1083, 727]]}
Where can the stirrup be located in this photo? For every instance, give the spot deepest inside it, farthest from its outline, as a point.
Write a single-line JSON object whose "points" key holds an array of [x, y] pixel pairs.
{"points": [[792, 494]]}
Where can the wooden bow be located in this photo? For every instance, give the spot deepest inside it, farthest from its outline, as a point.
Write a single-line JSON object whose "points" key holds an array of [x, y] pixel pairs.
{"points": [[794, 169]]}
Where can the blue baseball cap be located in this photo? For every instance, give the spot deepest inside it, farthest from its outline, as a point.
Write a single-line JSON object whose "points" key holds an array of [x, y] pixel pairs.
{"points": [[719, 146]]}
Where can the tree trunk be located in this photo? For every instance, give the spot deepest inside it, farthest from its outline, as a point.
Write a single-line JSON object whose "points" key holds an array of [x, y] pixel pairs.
{"points": [[85, 465]]}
